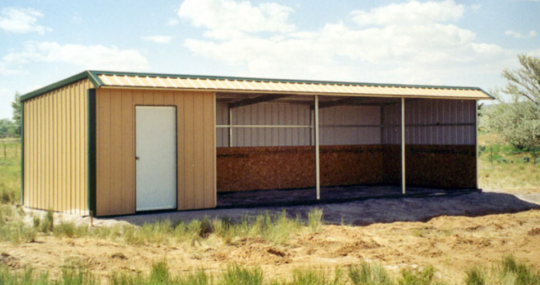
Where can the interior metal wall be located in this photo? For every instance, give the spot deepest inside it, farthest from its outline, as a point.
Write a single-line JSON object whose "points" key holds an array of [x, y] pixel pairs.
{"points": [[431, 122], [350, 125], [340, 125]]}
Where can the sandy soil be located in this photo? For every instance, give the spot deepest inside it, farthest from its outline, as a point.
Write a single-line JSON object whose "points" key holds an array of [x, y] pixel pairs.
{"points": [[450, 243]]}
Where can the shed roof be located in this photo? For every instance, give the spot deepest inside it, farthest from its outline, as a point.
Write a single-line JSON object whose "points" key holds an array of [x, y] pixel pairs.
{"points": [[131, 80]]}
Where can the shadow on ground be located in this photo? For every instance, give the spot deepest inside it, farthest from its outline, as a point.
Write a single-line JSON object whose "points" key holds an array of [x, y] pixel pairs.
{"points": [[365, 212]]}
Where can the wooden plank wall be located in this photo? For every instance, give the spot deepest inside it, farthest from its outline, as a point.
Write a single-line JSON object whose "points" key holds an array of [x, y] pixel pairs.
{"points": [[55, 150], [115, 144], [262, 168]]}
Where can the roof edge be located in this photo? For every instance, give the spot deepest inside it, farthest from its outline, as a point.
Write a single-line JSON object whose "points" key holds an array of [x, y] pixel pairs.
{"points": [[59, 84], [99, 72], [485, 92]]}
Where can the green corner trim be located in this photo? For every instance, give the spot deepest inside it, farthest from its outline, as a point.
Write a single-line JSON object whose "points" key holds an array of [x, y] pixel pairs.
{"points": [[80, 76], [22, 153], [92, 151]]}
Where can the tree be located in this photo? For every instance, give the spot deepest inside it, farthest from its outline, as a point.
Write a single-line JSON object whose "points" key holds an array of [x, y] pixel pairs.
{"points": [[525, 81], [17, 112], [518, 118], [7, 128]]}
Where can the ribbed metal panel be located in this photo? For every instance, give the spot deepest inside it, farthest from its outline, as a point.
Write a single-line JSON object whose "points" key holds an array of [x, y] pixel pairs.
{"points": [[431, 122], [340, 125], [272, 114], [350, 125], [222, 118], [231, 85]]}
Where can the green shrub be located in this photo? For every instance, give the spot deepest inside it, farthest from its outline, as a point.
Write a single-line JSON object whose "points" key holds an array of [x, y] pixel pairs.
{"points": [[525, 159]]}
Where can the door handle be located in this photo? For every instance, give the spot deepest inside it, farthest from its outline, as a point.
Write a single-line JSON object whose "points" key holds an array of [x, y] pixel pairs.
{"points": [[136, 158]]}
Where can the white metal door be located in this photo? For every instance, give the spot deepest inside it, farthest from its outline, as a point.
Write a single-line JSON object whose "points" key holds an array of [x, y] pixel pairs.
{"points": [[155, 146]]}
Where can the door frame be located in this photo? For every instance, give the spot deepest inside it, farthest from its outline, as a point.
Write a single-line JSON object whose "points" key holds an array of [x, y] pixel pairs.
{"points": [[175, 156]]}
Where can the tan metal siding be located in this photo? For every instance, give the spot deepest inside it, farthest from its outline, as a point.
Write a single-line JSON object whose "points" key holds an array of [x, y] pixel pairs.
{"points": [[55, 150], [115, 149]]}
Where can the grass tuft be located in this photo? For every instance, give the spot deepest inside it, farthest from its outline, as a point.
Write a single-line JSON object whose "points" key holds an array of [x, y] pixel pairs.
{"points": [[310, 276], [238, 275], [417, 277], [369, 274], [475, 276], [315, 222]]}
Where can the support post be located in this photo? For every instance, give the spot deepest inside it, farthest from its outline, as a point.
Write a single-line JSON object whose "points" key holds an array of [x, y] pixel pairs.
{"points": [[230, 126], [403, 180], [317, 163]]}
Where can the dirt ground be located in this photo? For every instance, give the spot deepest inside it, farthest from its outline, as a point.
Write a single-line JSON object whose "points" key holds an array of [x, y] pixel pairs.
{"points": [[451, 233]]}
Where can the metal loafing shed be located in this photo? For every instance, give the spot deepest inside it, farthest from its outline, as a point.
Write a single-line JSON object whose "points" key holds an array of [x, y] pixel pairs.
{"points": [[116, 143]]}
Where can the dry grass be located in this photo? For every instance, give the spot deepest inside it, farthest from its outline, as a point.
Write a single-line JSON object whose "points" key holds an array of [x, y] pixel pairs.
{"points": [[10, 173], [508, 272], [504, 168]]}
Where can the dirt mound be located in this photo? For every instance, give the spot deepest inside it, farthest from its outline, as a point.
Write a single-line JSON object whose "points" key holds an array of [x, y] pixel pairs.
{"points": [[450, 244], [534, 232], [9, 261]]}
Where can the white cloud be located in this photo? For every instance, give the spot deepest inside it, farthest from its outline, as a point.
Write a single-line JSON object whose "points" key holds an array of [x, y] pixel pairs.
{"points": [[158, 39], [6, 97], [424, 45], [519, 35], [5, 70], [19, 21], [87, 57], [476, 7], [412, 12], [76, 18], [230, 19], [172, 22]]}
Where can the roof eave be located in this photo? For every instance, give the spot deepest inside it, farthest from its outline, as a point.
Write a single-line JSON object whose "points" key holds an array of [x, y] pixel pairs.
{"points": [[59, 84], [491, 97], [102, 72]]}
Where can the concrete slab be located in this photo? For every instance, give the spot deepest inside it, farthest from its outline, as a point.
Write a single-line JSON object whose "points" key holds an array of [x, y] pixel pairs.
{"points": [[363, 212]]}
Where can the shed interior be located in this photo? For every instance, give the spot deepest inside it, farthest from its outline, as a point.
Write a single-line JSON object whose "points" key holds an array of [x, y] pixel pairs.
{"points": [[266, 147]]}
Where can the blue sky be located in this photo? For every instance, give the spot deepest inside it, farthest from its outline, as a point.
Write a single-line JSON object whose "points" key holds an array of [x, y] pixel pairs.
{"points": [[465, 43]]}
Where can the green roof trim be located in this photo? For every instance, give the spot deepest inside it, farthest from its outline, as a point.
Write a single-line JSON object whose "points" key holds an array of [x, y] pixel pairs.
{"points": [[93, 76], [72, 79]]}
